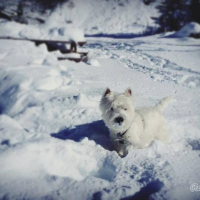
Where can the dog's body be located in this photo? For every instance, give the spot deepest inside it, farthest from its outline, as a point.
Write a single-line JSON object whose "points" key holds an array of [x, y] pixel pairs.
{"points": [[128, 125]]}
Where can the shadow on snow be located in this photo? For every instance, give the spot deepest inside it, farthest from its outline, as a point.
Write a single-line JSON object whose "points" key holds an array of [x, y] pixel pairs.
{"points": [[143, 194], [117, 36], [146, 191], [96, 131]]}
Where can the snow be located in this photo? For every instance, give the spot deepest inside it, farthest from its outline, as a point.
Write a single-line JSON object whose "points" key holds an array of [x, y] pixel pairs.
{"points": [[69, 33], [187, 30], [76, 17], [44, 32], [106, 17], [91, 59], [54, 144]]}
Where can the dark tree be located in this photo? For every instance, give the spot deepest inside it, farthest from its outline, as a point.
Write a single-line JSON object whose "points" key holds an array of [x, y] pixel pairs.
{"points": [[174, 14], [22, 10], [194, 11], [49, 4], [148, 2]]}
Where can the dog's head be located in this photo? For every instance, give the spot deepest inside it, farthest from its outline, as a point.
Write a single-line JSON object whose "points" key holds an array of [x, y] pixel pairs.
{"points": [[117, 110]]}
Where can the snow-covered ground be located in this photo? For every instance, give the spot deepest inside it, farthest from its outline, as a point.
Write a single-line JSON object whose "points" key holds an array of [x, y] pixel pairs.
{"points": [[54, 144]]}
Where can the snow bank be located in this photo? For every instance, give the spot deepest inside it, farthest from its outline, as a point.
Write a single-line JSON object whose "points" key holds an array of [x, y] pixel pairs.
{"points": [[46, 32], [192, 28], [69, 33], [11, 29], [91, 59]]}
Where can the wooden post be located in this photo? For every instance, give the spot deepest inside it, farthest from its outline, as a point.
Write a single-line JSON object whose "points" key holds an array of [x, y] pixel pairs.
{"points": [[73, 47]]}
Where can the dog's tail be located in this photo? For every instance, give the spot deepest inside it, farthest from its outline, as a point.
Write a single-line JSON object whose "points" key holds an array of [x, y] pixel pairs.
{"points": [[164, 103]]}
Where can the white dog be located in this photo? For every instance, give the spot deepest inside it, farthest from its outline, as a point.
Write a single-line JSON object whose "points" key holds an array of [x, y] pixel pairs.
{"points": [[128, 125]]}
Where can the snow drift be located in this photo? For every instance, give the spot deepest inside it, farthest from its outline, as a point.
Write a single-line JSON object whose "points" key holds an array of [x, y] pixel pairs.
{"points": [[45, 32], [189, 30]]}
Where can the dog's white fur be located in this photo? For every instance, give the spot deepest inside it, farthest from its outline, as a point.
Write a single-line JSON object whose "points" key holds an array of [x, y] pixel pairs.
{"points": [[139, 126]]}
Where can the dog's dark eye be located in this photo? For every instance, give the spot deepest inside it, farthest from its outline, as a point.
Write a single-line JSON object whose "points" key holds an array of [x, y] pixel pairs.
{"points": [[112, 109], [125, 108]]}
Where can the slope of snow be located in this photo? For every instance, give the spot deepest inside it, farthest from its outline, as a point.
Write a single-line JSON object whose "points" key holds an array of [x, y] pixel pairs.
{"points": [[91, 16], [54, 144], [108, 17], [187, 30]]}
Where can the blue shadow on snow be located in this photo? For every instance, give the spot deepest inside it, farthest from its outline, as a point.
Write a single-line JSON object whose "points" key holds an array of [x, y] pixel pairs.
{"points": [[96, 131], [117, 36], [146, 191]]}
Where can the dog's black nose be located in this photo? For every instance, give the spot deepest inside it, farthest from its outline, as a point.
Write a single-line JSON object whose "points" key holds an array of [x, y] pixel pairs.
{"points": [[119, 120]]}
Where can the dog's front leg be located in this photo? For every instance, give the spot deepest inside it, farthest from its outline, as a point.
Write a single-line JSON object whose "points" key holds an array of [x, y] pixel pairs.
{"points": [[120, 148]]}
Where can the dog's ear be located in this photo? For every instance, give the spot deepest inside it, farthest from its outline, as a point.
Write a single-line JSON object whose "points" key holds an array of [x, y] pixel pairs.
{"points": [[128, 92], [107, 92]]}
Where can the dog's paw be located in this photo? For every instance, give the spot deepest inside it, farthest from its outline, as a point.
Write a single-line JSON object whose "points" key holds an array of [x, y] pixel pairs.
{"points": [[122, 153]]}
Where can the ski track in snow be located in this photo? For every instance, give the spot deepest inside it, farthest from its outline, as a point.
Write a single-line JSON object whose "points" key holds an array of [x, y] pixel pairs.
{"points": [[55, 146]]}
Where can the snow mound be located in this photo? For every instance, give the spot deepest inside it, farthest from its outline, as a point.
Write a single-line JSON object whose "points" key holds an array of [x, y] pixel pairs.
{"points": [[82, 100], [11, 29], [90, 59], [45, 32], [189, 29], [9, 126], [66, 33]]}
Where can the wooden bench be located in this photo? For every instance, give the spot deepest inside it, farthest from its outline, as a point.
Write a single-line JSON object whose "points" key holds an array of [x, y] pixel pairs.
{"points": [[51, 45]]}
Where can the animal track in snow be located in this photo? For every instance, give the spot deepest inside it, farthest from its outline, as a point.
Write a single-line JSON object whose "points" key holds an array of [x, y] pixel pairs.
{"points": [[159, 69]]}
